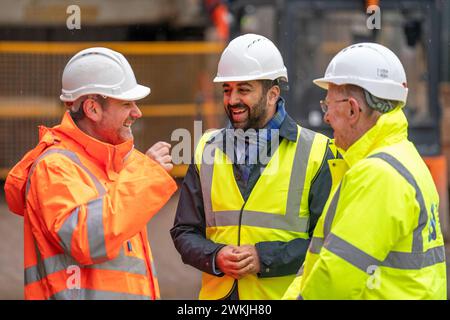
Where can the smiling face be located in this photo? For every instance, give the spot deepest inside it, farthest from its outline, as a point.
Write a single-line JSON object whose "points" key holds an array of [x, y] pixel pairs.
{"points": [[245, 104], [117, 116]]}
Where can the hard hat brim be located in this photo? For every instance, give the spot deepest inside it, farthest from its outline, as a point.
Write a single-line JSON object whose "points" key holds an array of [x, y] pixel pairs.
{"points": [[137, 93], [381, 89], [264, 76]]}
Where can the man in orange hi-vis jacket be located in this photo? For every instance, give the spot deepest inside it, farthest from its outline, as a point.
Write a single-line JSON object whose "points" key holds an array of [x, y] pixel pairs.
{"points": [[86, 194]]}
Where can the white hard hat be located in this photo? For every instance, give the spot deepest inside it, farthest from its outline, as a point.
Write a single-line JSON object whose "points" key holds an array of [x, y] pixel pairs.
{"points": [[250, 57], [100, 71], [370, 66]]}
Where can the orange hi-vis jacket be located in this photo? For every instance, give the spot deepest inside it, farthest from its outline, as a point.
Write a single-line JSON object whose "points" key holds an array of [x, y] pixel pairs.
{"points": [[86, 205]]}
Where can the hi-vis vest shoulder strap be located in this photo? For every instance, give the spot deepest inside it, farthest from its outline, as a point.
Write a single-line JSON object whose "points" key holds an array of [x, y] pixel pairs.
{"points": [[416, 259], [48, 266]]}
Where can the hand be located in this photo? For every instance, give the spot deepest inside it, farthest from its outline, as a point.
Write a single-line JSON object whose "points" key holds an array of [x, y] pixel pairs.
{"points": [[234, 263], [250, 249], [160, 152]]}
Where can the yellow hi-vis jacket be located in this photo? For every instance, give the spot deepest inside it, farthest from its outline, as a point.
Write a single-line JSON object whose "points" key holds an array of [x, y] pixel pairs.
{"points": [[276, 210], [379, 236]]}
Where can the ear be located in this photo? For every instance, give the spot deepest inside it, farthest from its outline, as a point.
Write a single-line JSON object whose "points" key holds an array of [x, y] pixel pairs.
{"points": [[354, 111], [273, 94], [92, 110]]}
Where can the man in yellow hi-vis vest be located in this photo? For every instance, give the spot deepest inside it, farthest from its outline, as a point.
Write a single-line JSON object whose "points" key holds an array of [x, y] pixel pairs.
{"points": [[249, 203], [379, 236]]}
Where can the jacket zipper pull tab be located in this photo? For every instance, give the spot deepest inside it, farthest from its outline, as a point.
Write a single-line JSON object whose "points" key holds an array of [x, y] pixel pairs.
{"points": [[130, 248]]}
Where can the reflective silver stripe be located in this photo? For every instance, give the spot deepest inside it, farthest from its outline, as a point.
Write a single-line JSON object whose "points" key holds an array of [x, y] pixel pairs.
{"points": [[300, 271], [395, 259], [206, 176], [226, 218], [274, 221], [331, 212], [95, 230], [47, 266], [122, 263], [67, 229], [87, 294], [423, 216], [350, 253], [298, 176], [415, 260], [259, 219], [316, 245], [95, 227], [60, 262]]}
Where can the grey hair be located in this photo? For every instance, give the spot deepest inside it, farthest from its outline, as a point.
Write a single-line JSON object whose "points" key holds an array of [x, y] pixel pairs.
{"points": [[371, 102], [76, 107]]}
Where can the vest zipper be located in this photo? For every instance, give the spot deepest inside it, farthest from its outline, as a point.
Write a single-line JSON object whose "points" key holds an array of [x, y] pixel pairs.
{"points": [[238, 243], [240, 222]]}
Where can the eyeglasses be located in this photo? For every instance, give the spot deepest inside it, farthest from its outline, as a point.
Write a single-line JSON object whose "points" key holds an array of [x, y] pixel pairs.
{"points": [[324, 104]]}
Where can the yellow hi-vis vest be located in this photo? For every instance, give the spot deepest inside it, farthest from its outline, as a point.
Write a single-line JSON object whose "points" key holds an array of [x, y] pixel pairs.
{"points": [[276, 210]]}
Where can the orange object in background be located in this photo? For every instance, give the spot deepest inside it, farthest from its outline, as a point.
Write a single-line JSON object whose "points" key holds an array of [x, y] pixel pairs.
{"points": [[372, 3], [438, 168], [218, 12], [220, 18]]}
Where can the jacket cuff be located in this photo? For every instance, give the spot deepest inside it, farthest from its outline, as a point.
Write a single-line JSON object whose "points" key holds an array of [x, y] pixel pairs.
{"points": [[212, 262], [278, 259]]}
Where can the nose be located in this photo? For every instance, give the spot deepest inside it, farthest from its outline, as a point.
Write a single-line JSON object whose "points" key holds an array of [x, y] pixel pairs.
{"points": [[234, 98], [136, 112]]}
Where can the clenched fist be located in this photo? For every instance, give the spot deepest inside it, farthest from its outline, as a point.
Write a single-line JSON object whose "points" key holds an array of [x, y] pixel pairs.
{"points": [[160, 152], [234, 262]]}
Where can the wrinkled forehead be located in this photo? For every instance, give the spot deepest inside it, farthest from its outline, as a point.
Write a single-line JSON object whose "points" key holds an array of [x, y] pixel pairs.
{"points": [[334, 90]]}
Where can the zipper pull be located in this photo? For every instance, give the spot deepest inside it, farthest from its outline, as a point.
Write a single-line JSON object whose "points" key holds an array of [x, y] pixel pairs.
{"points": [[130, 248]]}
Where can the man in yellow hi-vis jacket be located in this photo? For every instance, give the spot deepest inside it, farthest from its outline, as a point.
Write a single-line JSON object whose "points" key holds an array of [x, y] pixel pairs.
{"points": [[379, 236]]}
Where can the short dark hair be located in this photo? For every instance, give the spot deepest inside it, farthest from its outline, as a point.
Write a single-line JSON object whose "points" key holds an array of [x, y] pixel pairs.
{"points": [[267, 84]]}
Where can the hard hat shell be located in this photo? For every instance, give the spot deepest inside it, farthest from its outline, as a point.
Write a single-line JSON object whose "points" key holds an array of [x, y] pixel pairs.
{"points": [[250, 57], [100, 71], [370, 66]]}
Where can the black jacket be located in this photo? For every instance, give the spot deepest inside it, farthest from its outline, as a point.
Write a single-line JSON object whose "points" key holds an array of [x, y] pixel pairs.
{"points": [[277, 258]]}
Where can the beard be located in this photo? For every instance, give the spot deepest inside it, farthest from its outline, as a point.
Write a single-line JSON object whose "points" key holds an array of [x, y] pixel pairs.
{"points": [[244, 117]]}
